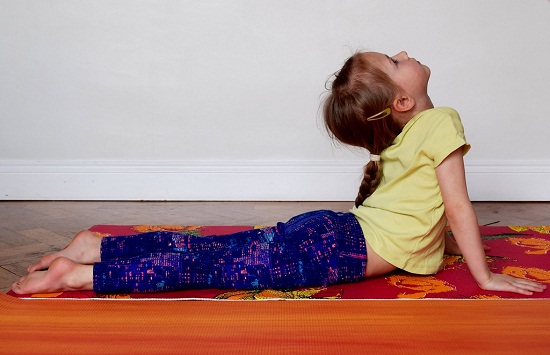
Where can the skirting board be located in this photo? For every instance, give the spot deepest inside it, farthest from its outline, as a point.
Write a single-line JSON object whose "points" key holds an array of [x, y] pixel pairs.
{"points": [[242, 180]]}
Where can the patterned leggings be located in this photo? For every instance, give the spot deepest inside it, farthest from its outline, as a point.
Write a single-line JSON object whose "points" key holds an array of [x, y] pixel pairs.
{"points": [[317, 248]]}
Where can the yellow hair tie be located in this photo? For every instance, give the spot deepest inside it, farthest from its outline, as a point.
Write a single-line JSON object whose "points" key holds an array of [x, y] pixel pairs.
{"points": [[383, 114]]}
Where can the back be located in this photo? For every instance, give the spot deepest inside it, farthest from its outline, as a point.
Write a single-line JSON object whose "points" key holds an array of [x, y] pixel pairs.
{"points": [[404, 219]]}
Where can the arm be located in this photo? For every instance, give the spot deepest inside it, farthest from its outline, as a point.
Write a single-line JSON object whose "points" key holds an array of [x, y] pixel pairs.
{"points": [[461, 216]]}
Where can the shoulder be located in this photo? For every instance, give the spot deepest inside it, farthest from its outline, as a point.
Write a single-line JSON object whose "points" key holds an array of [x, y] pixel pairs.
{"points": [[432, 128], [446, 133], [432, 116], [441, 117], [449, 111], [440, 113]]}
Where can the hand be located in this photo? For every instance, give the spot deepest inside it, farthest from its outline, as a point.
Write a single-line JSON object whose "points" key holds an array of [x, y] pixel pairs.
{"points": [[501, 282]]}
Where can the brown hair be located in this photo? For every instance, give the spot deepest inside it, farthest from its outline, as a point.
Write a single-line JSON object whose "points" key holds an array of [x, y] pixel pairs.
{"points": [[361, 90]]}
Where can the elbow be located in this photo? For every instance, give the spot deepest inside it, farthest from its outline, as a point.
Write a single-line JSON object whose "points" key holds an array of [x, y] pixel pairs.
{"points": [[458, 211]]}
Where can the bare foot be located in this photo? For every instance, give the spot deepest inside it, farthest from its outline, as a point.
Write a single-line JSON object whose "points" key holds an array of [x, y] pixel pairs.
{"points": [[83, 249], [62, 275]]}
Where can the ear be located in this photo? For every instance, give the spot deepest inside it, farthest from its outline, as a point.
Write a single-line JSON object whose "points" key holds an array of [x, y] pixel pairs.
{"points": [[403, 103]]}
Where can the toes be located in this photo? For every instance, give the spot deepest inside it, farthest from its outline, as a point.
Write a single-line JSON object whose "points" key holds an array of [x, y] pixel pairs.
{"points": [[40, 265], [16, 286]]}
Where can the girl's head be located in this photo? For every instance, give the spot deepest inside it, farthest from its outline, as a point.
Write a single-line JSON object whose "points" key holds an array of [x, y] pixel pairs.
{"points": [[360, 92], [370, 100]]}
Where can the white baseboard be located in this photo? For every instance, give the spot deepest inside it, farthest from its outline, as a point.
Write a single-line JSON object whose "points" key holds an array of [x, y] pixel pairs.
{"points": [[241, 180], [508, 180]]}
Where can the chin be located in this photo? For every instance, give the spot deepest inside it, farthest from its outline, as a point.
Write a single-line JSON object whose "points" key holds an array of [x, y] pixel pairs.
{"points": [[428, 71]]}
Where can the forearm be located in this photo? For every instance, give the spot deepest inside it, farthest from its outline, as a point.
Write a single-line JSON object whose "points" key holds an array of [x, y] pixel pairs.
{"points": [[463, 221], [464, 225]]}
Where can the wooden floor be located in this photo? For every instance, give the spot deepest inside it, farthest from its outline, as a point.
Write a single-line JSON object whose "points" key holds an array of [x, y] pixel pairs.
{"points": [[31, 229]]}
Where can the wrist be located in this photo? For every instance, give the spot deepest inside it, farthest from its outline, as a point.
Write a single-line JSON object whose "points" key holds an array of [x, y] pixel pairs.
{"points": [[485, 281]]}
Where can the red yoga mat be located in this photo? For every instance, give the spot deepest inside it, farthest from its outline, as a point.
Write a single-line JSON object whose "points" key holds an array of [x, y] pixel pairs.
{"points": [[520, 251]]}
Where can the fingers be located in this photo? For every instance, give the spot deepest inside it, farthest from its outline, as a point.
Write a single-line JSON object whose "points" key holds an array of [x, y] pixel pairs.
{"points": [[525, 287], [528, 286], [501, 282]]}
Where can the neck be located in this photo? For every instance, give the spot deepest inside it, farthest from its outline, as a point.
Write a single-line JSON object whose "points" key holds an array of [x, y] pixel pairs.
{"points": [[420, 105]]}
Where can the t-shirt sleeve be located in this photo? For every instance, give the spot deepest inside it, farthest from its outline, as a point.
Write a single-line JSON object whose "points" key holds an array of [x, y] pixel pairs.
{"points": [[447, 136]]}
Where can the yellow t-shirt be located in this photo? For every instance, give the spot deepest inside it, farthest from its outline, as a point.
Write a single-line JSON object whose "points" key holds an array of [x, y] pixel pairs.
{"points": [[404, 219]]}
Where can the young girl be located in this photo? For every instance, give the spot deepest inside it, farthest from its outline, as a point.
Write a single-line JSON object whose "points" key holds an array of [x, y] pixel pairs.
{"points": [[413, 184]]}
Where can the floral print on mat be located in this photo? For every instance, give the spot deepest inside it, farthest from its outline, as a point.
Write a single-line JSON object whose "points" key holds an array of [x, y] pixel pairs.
{"points": [[520, 251]]}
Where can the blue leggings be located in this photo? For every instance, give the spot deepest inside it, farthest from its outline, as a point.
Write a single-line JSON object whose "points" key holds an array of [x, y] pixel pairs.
{"points": [[317, 248]]}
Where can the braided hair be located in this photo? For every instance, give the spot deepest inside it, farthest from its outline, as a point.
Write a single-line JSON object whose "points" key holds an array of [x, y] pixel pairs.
{"points": [[360, 91]]}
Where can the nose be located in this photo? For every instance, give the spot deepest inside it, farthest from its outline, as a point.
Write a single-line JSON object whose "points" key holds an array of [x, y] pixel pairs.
{"points": [[401, 56]]}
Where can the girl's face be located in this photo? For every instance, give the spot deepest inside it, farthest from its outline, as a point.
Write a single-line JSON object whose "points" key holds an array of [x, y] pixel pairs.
{"points": [[408, 73]]}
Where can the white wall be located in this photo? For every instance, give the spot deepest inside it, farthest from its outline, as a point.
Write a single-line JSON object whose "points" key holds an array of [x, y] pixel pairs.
{"points": [[219, 99]]}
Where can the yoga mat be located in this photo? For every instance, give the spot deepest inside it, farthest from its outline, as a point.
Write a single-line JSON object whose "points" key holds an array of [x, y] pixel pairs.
{"points": [[62, 326], [520, 251]]}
